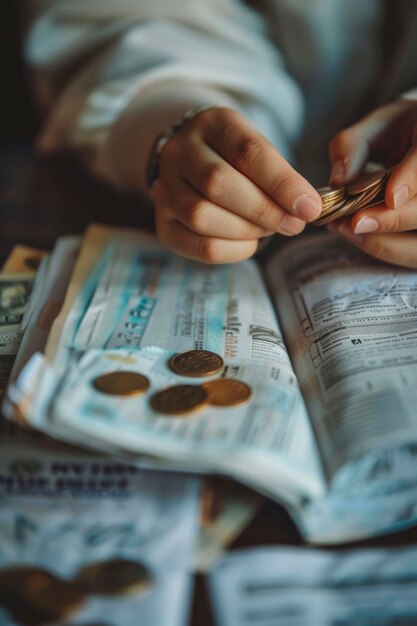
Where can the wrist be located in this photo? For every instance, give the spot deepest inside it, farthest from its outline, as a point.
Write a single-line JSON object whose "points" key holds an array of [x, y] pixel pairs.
{"points": [[133, 138], [152, 167]]}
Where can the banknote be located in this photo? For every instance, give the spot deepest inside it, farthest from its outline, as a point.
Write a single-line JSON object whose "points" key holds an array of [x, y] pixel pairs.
{"points": [[23, 259], [18, 272], [15, 291], [14, 297]]}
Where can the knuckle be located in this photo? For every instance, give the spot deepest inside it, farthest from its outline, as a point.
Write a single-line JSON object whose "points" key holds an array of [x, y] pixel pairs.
{"points": [[283, 184], [247, 152], [263, 213], [213, 179], [196, 215], [211, 250]]}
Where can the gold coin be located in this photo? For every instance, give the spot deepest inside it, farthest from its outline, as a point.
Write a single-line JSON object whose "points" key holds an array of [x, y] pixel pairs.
{"points": [[179, 399], [116, 577], [366, 182], [331, 196], [227, 392], [196, 363], [121, 383]]}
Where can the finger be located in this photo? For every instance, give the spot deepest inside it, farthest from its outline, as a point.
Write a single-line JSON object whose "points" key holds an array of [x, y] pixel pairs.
{"points": [[180, 240], [381, 219], [206, 218], [213, 178], [349, 150], [398, 249], [402, 184], [254, 157]]}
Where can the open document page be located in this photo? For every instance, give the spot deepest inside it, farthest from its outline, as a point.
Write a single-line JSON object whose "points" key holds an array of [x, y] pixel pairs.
{"points": [[294, 587], [350, 324], [130, 306]]}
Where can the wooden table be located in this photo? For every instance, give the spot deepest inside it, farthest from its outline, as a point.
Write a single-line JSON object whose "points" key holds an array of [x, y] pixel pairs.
{"points": [[41, 200]]}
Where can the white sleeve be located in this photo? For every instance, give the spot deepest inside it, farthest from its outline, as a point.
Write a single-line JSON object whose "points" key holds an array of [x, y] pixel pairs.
{"points": [[93, 60]]}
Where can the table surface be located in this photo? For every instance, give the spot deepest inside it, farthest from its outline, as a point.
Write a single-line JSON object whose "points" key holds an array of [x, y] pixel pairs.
{"points": [[41, 200]]}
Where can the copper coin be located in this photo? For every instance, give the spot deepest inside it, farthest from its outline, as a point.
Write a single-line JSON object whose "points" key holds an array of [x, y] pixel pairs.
{"points": [[46, 592], [115, 577], [366, 182], [179, 399], [227, 392], [121, 383], [196, 363], [330, 195]]}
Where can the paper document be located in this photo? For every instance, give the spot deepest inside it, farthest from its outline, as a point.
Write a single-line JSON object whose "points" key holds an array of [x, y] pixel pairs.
{"points": [[300, 587]]}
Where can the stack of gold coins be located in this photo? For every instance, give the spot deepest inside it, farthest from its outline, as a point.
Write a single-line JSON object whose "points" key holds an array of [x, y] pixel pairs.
{"points": [[364, 192]]}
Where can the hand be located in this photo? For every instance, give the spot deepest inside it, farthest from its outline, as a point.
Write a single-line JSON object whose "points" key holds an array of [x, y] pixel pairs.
{"points": [[388, 136], [222, 187]]}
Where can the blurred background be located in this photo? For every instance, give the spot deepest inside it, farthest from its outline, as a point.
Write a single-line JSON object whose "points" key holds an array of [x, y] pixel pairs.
{"points": [[17, 119]]}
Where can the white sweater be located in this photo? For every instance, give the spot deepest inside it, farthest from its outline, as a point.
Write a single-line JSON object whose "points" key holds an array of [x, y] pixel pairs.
{"points": [[299, 69]]}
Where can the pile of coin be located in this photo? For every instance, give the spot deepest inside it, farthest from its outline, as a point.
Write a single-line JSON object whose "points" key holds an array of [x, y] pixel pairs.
{"points": [[364, 192], [181, 399], [184, 399]]}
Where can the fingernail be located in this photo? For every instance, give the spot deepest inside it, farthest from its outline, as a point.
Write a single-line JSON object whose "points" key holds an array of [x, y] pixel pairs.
{"points": [[400, 196], [291, 225], [345, 230], [307, 208], [366, 225], [339, 170]]}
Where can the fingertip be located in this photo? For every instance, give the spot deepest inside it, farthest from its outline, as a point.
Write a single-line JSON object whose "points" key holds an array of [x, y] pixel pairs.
{"points": [[308, 207], [348, 153], [339, 171], [345, 229]]}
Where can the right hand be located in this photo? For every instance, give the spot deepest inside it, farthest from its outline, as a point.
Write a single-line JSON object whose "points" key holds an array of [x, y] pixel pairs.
{"points": [[222, 186]]}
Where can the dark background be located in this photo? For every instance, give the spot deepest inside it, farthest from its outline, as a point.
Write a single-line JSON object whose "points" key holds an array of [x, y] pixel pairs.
{"points": [[17, 118]]}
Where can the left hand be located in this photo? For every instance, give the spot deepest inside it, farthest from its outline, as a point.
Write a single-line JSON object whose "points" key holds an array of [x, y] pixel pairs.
{"points": [[388, 136]]}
